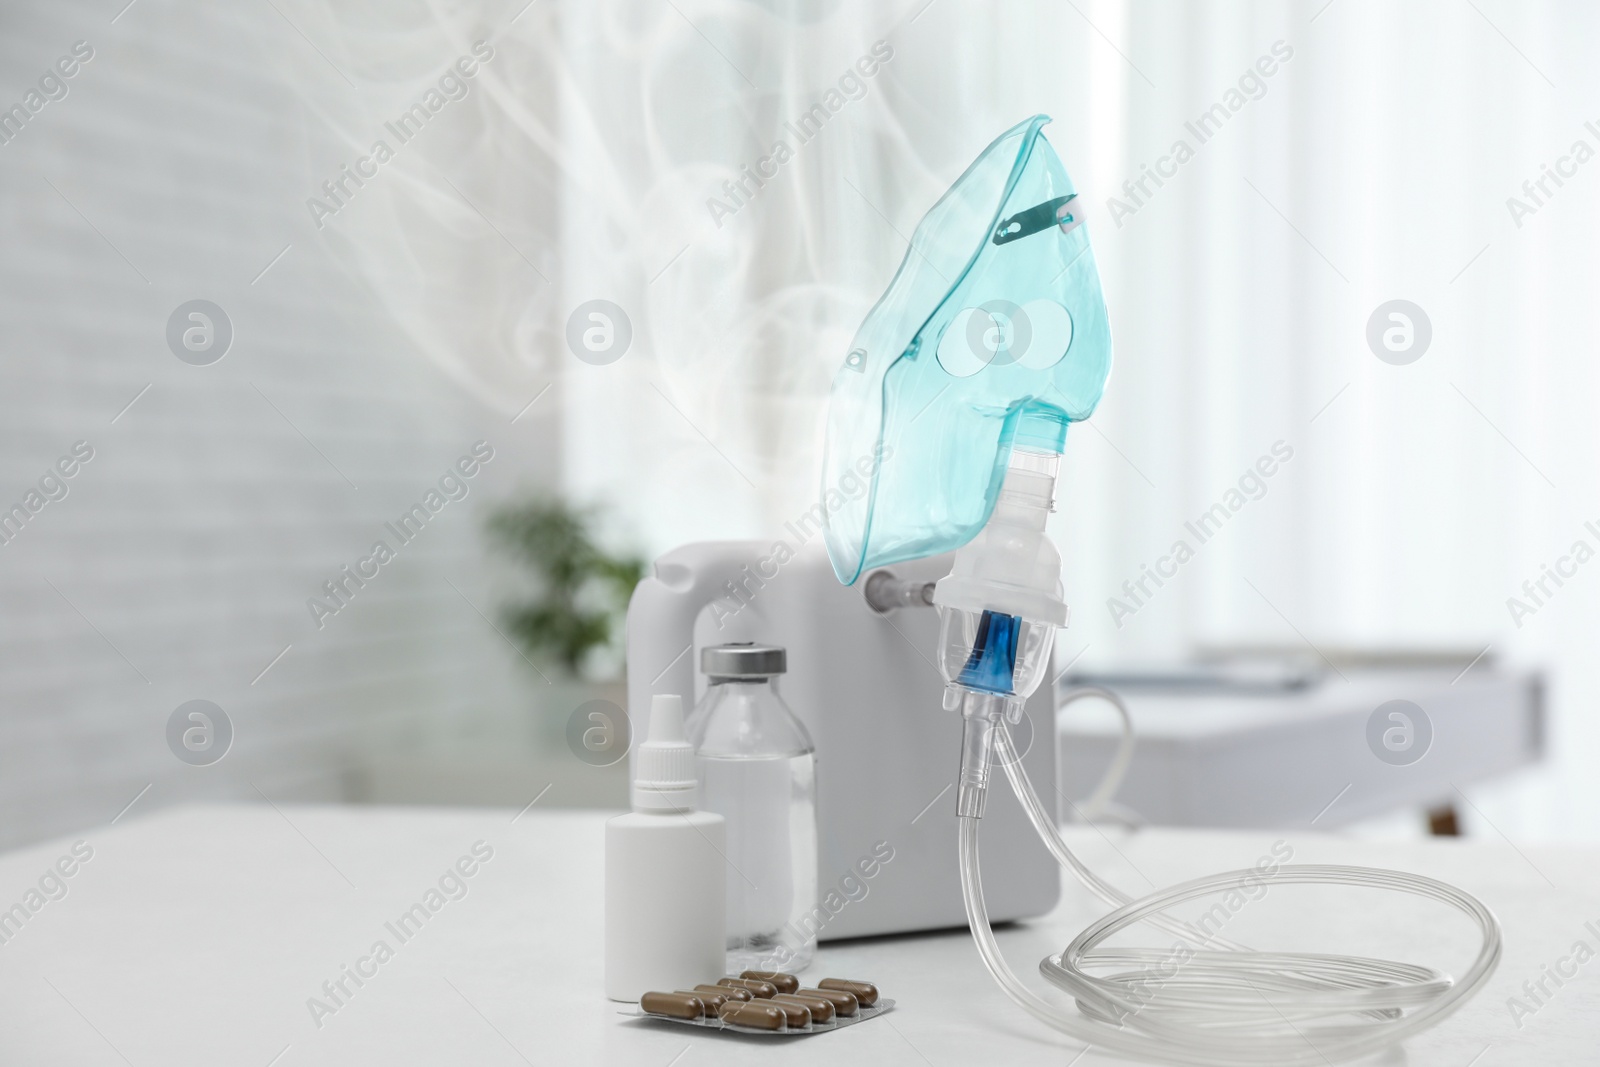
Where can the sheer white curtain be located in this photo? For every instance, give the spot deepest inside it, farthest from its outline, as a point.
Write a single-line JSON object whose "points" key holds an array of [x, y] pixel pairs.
{"points": [[1372, 163], [1376, 166]]}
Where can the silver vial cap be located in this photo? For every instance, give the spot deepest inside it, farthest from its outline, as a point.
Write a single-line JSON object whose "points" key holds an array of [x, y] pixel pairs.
{"points": [[743, 661]]}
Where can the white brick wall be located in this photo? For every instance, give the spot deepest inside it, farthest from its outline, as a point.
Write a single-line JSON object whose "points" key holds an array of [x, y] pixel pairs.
{"points": [[191, 541]]}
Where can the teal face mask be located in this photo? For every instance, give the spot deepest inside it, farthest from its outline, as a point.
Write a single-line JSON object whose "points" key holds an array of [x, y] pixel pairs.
{"points": [[992, 335]]}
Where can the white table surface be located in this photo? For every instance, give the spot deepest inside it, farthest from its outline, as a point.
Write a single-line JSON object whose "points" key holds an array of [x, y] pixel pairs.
{"points": [[196, 936]]}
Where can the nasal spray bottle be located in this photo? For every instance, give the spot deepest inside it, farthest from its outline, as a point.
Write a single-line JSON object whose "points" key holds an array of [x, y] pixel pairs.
{"points": [[664, 870]]}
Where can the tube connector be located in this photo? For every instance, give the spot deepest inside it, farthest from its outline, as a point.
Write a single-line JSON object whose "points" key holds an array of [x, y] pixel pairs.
{"points": [[981, 713], [886, 593]]}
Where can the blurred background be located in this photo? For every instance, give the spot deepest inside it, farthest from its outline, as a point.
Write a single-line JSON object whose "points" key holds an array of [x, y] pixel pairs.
{"points": [[374, 323]]}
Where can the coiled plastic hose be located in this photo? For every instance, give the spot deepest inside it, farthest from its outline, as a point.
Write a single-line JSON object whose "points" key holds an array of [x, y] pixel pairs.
{"points": [[1099, 803], [1223, 1006]]}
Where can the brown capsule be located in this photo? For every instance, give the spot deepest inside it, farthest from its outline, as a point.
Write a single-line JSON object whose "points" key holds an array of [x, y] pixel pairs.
{"points": [[821, 1010], [843, 1003], [785, 983], [756, 1013], [712, 1001], [673, 1005], [865, 992], [794, 1013], [727, 992], [759, 989]]}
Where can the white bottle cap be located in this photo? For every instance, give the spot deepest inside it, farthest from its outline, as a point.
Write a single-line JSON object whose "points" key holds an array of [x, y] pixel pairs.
{"points": [[664, 772]]}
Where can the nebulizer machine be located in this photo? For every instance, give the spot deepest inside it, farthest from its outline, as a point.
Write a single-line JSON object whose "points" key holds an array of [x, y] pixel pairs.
{"points": [[991, 340]]}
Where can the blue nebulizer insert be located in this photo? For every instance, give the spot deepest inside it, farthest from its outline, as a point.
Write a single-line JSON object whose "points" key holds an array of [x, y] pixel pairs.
{"points": [[992, 664], [992, 335]]}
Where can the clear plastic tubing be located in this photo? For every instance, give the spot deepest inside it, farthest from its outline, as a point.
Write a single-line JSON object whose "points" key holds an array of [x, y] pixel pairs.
{"points": [[1219, 1004]]}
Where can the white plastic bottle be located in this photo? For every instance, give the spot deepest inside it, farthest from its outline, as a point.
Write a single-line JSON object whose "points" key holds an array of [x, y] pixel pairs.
{"points": [[665, 890]]}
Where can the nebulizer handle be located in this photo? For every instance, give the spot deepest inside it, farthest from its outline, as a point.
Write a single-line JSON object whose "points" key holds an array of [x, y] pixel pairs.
{"points": [[662, 612]]}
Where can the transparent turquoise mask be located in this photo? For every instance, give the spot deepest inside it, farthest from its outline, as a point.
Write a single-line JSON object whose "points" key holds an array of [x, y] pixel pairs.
{"points": [[991, 336]]}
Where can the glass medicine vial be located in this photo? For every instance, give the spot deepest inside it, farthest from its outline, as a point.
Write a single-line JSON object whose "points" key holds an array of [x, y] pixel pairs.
{"points": [[758, 771]]}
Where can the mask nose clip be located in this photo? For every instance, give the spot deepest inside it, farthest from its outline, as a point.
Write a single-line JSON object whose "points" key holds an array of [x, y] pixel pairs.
{"points": [[1036, 218]]}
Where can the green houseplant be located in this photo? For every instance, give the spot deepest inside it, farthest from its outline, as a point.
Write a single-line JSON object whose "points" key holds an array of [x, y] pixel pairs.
{"points": [[581, 590]]}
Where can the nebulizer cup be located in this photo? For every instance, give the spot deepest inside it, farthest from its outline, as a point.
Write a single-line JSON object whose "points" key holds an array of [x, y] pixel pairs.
{"points": [[999, 608]]}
